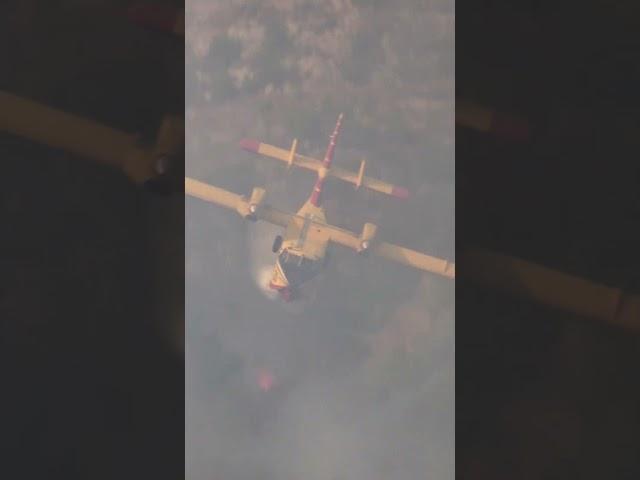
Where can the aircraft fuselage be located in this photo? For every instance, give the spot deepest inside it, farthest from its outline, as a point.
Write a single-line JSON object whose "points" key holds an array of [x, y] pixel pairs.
{"points": [[302, 253]]}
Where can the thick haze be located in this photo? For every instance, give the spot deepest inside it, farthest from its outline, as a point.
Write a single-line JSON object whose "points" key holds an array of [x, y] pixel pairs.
{"points": [[362, 371]]}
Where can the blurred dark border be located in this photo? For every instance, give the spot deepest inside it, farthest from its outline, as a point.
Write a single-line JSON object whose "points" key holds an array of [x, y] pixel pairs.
{"points": [[91, 265], [543, 393]]}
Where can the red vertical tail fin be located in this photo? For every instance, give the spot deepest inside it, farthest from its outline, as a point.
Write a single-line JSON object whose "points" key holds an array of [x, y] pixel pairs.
{"points": [[316, 195], [328, 157]]}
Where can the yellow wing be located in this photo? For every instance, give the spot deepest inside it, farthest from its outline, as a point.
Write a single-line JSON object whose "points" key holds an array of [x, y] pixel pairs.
{"points": [[365, 243], [362, 243], [292, 158], [248, 207], [212, 194]]}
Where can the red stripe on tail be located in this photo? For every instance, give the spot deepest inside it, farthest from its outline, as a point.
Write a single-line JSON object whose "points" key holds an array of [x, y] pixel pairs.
{"points": [[316, 195], [328, 157]]}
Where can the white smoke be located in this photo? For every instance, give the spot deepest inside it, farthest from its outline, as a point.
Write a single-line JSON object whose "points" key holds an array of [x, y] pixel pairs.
{"points": [[261, 236], [262, 277]]}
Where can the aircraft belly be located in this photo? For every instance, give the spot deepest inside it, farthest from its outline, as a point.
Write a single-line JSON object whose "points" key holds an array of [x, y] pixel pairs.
{"points": [[295, 275]]}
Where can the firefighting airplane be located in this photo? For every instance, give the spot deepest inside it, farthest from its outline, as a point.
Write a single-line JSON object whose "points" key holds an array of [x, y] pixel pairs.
{"points": [[303, 248]]}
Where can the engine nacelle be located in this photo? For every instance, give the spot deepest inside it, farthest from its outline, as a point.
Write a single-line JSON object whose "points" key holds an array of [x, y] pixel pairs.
{"points": [[367, 237], [249, 209]]}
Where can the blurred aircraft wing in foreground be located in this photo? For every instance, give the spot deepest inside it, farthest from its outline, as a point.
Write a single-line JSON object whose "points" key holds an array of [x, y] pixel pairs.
{"points": [[396, 253]]}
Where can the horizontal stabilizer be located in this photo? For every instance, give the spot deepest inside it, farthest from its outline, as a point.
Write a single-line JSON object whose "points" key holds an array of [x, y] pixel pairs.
{"points": [[290, 157]]}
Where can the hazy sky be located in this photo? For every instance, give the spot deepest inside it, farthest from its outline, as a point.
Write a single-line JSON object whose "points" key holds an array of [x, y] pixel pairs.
{"points": [[362, 369]]}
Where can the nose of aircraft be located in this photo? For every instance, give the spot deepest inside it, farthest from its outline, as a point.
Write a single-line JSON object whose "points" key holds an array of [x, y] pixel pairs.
{"points": [[285, 291], [280, 284]]}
